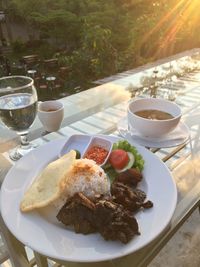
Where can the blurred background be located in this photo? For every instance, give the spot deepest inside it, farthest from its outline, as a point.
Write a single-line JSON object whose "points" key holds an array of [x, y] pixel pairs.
{"points": [[67, 45]]}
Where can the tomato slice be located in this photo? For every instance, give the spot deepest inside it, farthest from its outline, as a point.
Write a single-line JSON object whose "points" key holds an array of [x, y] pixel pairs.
{"points": [[118, 158]]}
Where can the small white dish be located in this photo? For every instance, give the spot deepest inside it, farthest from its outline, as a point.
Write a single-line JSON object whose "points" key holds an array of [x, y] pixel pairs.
{"points": [[76, 142], [177, 137], [101, 142]]}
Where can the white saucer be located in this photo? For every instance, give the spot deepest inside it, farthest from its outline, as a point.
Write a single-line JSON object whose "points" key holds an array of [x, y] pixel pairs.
{"points": [[177, 137]]}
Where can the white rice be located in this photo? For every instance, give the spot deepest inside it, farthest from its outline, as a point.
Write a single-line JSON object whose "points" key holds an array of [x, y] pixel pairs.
{"points": [[86, 177]]}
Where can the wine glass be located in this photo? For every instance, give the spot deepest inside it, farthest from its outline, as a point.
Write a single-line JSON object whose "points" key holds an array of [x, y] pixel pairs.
{"points": [[18, 109]]}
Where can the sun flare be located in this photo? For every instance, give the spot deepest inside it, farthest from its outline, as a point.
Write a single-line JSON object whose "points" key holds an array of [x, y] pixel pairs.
{"points": [[183, 15]]}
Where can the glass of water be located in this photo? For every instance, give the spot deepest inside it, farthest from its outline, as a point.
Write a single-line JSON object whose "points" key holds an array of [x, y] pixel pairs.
{"points": [[18, 109]]}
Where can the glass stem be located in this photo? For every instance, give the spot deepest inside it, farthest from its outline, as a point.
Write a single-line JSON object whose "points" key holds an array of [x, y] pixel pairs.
{"points": [[24, 140]]}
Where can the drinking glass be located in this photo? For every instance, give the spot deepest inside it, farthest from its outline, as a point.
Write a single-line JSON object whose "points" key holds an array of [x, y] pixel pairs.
{"points": [[18, 109]]}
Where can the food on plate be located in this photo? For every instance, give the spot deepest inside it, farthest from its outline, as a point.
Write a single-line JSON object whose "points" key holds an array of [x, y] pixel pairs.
{"points": [[154, 114], [111, 214], [126, 146], [97, 153], [78, 154], [110, 219], [63, 178], [78, 211], [87, 177], [86, 198], [123, 157], [119, 158], [130, 176], [131, 198], [49, 184]]}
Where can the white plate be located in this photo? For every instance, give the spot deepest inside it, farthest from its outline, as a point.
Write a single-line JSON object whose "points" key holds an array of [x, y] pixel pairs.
{"points": [[44, 234], [178, 136]]}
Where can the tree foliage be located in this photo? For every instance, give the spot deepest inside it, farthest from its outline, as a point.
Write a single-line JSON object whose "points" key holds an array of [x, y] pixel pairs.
{"points": [[97, 38]]}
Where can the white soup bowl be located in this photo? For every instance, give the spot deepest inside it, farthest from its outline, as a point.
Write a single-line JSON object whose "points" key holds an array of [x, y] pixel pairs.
{"points": [[153, 128]]}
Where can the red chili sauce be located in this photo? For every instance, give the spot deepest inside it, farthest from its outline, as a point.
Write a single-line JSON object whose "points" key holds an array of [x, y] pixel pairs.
{"points": [[97, 153]]}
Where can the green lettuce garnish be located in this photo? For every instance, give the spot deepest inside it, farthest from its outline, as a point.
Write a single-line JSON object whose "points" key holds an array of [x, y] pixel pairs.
{"points": [[125, 145]]}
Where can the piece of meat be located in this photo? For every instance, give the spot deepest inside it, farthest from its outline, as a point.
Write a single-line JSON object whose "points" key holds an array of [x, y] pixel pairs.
{"points": [[132, 199], [110, 219], [114, 222], [78, 211], [131, 177], [147, 205]]}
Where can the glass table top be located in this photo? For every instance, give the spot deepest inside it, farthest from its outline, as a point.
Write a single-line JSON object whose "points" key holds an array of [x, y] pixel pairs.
{"points": [[98, 110]]}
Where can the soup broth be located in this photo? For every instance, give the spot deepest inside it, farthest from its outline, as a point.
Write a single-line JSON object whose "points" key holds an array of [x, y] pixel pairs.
{"points": [[51, 110], [154, 114]]}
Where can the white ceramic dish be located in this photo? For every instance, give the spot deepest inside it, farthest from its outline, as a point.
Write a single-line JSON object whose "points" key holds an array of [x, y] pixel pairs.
{"points": [[41, 231], [77, 142], [102, 142], [83, 143], [177, 137], [153, 128]]}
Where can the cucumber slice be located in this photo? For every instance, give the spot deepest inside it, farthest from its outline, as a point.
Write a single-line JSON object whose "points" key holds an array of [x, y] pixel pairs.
{"points": [[129, 164], [78, 154]]}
